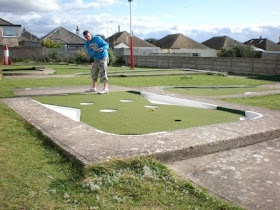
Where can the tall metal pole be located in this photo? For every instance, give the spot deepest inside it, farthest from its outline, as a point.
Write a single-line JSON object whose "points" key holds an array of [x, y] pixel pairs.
{"points": [[131, 41]]}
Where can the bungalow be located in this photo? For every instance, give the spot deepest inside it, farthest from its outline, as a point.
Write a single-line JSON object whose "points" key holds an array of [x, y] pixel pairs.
{"points": [[67, 38], [220, 42], [9, 33], [120, 43], [28, 39], [180, 44], [264, 44]]}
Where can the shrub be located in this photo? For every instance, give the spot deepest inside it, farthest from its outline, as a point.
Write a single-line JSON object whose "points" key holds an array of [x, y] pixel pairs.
{"points": [[53, 55], [81, 56], [51, 44], [244, 51], [114, 59]]}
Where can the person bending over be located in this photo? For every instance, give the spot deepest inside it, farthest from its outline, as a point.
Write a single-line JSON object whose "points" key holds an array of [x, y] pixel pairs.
{"points": [[98, 49]]}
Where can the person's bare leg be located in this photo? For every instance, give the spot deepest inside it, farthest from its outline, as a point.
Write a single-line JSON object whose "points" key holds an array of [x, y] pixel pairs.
{"points": [[105, 85], [94, 85]]}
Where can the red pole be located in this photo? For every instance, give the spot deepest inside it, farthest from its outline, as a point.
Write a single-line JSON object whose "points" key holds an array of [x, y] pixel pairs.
{"points": [[131, 52]]}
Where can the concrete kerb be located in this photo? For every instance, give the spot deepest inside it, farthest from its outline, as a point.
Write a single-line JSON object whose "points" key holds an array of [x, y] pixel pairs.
{"points": [[88, 145], [36, 71]]}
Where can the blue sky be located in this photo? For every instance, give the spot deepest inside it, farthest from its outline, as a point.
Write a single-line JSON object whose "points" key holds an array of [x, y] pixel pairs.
{"points": [[199, 20]]}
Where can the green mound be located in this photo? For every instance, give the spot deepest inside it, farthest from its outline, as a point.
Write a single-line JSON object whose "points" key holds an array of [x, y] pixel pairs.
{"points": [[132, 117], [217, 91]]}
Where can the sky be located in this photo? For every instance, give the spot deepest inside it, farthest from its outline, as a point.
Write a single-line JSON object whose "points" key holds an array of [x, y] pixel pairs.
{"points": [[199, 20]]}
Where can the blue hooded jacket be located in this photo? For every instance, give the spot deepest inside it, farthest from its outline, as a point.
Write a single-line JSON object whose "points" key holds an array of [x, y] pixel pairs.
{"points": [[95, 43]]}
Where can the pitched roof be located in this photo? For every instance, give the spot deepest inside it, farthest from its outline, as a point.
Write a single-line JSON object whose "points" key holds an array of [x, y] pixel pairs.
{"points": [[62, 35], [179, 41], [6, 23], [27, 36], [124, 37], [264, 44], [220, 42]]}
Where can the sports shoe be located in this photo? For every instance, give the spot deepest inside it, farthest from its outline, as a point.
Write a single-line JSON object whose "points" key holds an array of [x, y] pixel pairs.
{"points": [[104, 91], [91, 89]]}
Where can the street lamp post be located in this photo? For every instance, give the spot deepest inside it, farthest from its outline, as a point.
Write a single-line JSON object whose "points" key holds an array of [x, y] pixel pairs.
{"points": [[131, 41]]}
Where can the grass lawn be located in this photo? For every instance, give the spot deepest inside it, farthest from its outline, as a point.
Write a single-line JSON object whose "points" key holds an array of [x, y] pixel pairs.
{"points": [[35, 176], [179, 80], [217, 91], [270, 101], [75, 69], [133, 117], [6, 84]]}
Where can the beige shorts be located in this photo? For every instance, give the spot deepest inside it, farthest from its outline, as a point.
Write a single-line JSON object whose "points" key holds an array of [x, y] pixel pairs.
{"points": [[100, 68]]}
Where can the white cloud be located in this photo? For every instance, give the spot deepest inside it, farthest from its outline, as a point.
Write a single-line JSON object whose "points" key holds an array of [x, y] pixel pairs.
{"points": [[41, 17], [205, 32], [168, 15], [22, 6], [82, 5]]}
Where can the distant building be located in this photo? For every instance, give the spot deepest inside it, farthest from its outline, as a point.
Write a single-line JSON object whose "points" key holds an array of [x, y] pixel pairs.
{"points": [[120, 43], [264, 44], [28, 39], [220, 42], [67, 38], [180, 44], [124, 38], [9, 33]]}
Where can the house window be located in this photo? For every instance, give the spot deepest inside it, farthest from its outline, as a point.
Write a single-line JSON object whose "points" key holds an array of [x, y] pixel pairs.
{"points": [[10, 31]]}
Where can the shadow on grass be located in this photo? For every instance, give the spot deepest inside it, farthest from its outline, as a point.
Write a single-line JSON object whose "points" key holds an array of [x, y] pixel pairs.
{"points": [[274, 78]]}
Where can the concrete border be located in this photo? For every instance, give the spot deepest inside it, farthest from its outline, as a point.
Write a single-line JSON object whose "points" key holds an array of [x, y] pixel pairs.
{"points": [[37, 71], [88, 145]]}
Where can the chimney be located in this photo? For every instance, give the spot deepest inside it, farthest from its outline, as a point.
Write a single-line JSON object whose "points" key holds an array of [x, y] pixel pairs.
{"points": [[260, 37], [279, 39], [119, 29], [77, 31]]}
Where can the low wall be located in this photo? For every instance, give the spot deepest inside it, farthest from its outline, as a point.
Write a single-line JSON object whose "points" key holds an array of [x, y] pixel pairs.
{"points": [[254, 66], [40, 53], [271, 55]]}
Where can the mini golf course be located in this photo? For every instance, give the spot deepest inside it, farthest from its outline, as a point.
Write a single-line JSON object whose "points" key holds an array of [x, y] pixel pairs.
{"points": [[113, 124], [217, 91], [129, 113]]}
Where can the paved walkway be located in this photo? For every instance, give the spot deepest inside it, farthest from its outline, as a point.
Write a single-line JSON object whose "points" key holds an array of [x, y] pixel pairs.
{"points": [[247, 176]]}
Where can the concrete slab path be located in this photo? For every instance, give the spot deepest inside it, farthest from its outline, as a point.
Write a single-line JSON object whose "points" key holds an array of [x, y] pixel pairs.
{"points": [[247, 176]]}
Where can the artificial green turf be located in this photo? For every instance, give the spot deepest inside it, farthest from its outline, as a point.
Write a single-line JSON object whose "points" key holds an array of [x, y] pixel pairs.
{"points": [[133, 117], [215, 91]]}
